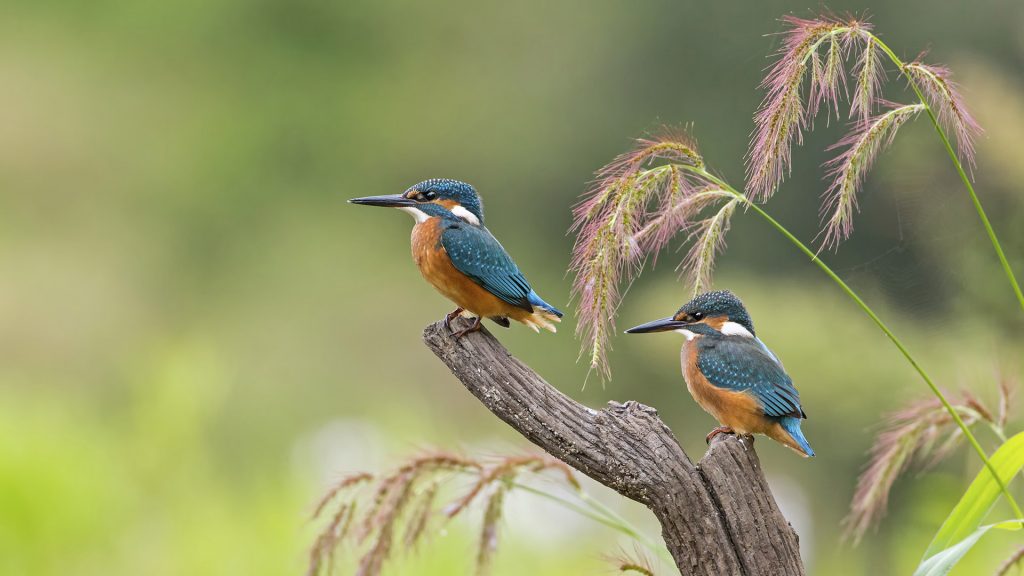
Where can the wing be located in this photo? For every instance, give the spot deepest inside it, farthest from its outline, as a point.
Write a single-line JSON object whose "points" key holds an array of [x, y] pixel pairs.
{"points": [[477, 254], [766, 349], [742, 365]]}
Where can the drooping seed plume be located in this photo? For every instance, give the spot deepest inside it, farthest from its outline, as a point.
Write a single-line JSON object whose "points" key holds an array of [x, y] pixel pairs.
{"points": [[819, 48], [489, 530], [679, 213], [420, 516], [923, 433], [869, 74], [782, 116], [708, 240], [848, 170], [944, 97], [370, 510], [647, 196], [828, 78], [638, 203]]}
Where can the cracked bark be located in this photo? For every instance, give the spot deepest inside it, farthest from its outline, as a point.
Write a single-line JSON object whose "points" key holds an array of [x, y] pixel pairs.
{"points": [[718, 516]]}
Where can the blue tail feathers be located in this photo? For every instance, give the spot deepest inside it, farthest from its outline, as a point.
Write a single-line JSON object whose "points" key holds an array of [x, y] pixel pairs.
{"points": [[536, 301], [792, 426]]}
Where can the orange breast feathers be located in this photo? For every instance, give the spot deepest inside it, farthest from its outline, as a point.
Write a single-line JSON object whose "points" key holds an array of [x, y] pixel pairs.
{"points": [[737, 410], [436, 267]]}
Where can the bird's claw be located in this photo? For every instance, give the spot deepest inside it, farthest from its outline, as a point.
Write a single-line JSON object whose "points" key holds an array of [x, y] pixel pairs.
{"points": [[717, 431], [451, 316], [474, 327]]}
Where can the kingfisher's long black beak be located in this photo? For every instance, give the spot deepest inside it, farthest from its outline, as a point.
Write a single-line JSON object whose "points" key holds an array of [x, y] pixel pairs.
{"points": [[388, 201], [662, 325]]}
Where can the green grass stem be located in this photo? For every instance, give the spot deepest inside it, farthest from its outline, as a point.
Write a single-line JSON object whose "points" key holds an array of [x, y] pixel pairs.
{"points": [[960, 170], [878, 321]]}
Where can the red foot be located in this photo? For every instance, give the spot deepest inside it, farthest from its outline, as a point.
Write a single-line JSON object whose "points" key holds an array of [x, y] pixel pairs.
{"points": [[717, 431], [451, 316], [475, 326]]}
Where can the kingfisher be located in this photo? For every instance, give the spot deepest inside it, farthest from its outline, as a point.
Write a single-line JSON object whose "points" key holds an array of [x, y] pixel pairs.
{"points": [[460, 257], [731, 373]]}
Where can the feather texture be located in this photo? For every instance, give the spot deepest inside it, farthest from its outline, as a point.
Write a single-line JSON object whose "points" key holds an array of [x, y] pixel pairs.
{"points": [[741, 365], [478, 254]]}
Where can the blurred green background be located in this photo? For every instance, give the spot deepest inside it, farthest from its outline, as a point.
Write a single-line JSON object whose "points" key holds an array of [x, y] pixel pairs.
{"points": [[197, 333]]}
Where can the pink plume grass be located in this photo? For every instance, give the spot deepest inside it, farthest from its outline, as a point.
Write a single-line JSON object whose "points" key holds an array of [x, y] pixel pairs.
{"points": [[369, 510], [849, 169], [924, 433], [828, 80], [646, 197], [782, 116], [708, 241], [869, 75], [944, 97], [819, 48], [638, 203]]}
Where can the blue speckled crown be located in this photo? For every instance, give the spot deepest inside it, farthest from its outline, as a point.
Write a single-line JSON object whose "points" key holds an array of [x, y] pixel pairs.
{"points": [[720, 303]]}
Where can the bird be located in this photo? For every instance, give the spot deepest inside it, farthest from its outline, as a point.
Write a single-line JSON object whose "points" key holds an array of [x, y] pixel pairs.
{"points": [[460, 257], [731, 373]]}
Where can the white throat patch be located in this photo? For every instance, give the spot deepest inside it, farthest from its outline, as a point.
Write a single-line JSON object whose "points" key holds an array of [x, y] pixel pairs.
{"points": [[735, 329], [689, 335], [416, 213], [466, 215]]}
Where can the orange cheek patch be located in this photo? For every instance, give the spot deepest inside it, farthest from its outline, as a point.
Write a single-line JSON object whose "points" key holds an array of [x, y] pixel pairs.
{"points": [[447, 203], [715, 322]]}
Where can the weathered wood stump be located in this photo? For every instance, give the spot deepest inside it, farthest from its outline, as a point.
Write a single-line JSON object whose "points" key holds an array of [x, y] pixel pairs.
{"points": [[718, 517]]}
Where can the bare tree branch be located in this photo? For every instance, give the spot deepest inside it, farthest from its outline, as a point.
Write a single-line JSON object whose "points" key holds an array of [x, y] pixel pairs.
{"points": [[718, 517]]}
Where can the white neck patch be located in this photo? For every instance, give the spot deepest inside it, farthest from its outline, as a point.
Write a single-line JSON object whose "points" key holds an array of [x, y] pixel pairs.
{"points": [[419, 215], [689, 335], [735, 329], [466, 215]]}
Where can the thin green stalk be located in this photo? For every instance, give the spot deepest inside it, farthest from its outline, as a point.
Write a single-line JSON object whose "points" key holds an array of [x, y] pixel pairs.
{"points": [[960, 170], [599, 513], [878, 321], [896, 341], [603, 515], [608, 512], [994, 427]]}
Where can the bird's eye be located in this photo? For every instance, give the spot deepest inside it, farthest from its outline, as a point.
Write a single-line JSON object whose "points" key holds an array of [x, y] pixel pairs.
{"points": [[697, 316], [428, 195]]}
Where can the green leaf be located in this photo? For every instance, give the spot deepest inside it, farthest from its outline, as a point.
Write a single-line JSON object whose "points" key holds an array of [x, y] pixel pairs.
{"points": [[941, 563], [965, 519]]}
